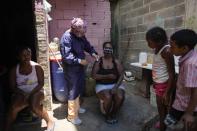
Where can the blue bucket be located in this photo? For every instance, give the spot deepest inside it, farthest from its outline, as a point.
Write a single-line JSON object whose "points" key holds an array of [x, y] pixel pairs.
{"points": [[58, 82]]}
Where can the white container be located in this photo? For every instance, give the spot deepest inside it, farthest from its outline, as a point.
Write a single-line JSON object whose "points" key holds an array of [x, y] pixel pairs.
{"points": [[53, 47], [176, 60], [143, 57]]}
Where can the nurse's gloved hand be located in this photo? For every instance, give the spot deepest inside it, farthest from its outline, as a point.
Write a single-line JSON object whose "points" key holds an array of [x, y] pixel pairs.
{"points": [[96, 56], [83, 62]]}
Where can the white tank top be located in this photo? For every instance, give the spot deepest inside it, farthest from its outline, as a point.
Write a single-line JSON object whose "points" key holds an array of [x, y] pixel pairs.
{"points": [[160, 71], [27, 82]]}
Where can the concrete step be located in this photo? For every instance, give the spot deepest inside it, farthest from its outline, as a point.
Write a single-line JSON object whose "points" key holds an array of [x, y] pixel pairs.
{"points": [[28, 126]]}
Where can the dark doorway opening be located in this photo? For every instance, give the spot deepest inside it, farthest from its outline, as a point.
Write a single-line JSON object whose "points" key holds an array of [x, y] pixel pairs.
{"points": [[17, 28]]}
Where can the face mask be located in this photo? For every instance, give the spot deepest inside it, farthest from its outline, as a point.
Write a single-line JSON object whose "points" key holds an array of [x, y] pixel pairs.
{"points": [[108, 50]]}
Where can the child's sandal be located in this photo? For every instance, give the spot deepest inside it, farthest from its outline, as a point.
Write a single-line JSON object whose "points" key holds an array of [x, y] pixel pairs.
{"points": [[109, 121], [115, 121]]}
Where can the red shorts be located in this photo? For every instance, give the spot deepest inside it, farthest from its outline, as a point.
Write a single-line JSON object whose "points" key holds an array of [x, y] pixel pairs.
{"points": [[160, 88]]}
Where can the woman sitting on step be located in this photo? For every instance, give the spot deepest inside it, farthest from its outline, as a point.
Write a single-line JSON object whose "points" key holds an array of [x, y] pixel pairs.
{"points": [[26, 82], [108, 73]]}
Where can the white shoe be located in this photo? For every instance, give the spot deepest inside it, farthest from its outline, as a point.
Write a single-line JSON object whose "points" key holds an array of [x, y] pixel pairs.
{"points": [[82, 110], [75, 121]]}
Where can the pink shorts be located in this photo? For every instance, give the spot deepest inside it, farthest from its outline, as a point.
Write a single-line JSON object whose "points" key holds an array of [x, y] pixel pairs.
{"points": [[160, 88]]}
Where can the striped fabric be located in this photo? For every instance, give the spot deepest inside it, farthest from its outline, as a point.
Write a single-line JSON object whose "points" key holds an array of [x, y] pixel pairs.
{"points": [[187, 80], [160, 71]]}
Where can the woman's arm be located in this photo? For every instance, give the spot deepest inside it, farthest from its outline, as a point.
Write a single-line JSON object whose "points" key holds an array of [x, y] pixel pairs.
{"points": [[40, 77], [169, 59], [12, 82], [120, 72], [96, 76]]}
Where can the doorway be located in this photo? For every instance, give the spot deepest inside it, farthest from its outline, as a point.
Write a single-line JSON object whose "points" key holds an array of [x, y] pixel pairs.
{"points": [[17, 28]]}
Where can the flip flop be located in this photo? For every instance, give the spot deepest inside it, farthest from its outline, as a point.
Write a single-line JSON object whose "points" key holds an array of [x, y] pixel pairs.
{"points": [[109, 121], [115, 121]]}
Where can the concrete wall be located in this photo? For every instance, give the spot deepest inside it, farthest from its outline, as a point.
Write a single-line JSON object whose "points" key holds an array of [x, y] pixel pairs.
{"points": [[135, 17], [95, 12], [130, 20], [191, 15]]}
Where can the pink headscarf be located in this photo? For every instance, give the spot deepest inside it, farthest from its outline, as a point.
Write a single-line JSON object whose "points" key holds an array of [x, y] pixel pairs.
{"points": [[78, 22]]}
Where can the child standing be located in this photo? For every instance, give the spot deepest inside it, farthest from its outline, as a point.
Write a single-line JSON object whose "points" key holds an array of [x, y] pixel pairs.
{"points": [[163, 70], [185, 104]]}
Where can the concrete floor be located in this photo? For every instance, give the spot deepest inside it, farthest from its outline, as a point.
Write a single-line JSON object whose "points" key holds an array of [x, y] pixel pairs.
{"points": [[136, 115]]}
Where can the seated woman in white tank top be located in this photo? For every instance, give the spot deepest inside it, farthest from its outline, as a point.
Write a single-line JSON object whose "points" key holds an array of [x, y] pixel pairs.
{"points": [[26, 82]]}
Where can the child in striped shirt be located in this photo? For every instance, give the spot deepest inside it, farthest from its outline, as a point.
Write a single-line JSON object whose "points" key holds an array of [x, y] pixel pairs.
{"points": [[184, 106]]}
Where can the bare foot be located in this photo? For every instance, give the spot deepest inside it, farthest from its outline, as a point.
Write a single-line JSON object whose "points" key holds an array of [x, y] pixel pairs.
{"points": [[50, 125]]}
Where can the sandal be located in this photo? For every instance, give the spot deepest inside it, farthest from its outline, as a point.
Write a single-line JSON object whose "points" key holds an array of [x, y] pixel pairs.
{"points": [[115, 121], [109, 121], [170, 120]]}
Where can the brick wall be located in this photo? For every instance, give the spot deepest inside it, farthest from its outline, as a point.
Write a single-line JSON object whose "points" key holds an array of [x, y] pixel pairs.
{"points": [[137, 16], [191, 15], [95, 12], [42, 50], [130, 19]]}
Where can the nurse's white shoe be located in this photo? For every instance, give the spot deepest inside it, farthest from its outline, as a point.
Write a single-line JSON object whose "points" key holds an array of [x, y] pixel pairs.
{"points": [[82, 110], [75, 121]]}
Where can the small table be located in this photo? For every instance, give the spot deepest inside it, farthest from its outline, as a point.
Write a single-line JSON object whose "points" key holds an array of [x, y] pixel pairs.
{"points": [[147, 77], [149, 66]]}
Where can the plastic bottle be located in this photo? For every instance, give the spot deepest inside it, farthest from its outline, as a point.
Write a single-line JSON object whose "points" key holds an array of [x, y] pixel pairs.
{"points": [[143, 58]]}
